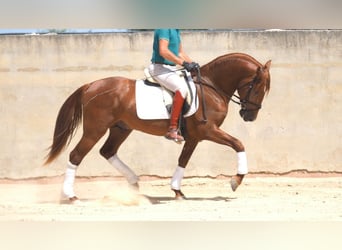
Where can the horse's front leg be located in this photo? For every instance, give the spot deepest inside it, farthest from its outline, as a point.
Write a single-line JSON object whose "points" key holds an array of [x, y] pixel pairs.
{"points": [[221, 137], [178, 175]]}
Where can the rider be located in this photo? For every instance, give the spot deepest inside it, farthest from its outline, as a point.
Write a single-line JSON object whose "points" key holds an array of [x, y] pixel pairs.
{"points": [[167, 53]]}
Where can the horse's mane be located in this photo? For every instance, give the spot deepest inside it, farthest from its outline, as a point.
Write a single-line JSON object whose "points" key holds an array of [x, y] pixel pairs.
{"points": [[232, 56], [236, 56]]}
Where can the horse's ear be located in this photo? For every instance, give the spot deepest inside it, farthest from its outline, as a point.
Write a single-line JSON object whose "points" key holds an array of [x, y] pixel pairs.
{"points": [[267, 65]]}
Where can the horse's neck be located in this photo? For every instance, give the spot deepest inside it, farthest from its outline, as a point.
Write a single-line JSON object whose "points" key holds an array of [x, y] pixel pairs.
{"points": [[226, 72], [224, 80]]}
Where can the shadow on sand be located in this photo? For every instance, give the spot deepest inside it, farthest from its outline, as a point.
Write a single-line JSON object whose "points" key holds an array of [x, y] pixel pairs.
{"points": [[138, 198], [163, 199]]}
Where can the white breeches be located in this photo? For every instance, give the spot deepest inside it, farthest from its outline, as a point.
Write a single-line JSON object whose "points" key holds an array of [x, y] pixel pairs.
{"points": [[167, 76]]}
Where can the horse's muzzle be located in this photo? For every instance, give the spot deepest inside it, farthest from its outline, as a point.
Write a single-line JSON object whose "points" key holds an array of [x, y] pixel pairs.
{"points": [[247, 115]]}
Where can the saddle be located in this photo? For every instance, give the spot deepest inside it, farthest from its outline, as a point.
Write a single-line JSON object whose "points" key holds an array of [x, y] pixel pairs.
{"points": [[153, 101]]}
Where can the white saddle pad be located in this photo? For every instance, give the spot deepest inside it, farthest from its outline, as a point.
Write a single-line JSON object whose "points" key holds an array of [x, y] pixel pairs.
{"points": [[151, 101]]}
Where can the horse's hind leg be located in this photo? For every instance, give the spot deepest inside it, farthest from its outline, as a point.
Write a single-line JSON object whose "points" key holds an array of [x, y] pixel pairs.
{"points": [[86, 143], [117, 136]]}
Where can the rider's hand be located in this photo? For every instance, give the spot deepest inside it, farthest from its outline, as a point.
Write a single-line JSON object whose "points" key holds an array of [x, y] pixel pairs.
{"points": [[190, 66]]}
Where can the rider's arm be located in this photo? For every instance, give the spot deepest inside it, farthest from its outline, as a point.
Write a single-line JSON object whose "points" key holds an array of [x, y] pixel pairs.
{"points": [[168, 55]]}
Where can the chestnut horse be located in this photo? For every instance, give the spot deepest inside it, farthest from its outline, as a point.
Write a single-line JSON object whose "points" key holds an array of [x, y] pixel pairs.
{"points": [[110, 104]]}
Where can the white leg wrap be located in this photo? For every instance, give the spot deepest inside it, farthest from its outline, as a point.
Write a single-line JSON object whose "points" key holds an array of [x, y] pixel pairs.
{"points": [[177, 178], [69, 180], [123, 169], [242, 163]]}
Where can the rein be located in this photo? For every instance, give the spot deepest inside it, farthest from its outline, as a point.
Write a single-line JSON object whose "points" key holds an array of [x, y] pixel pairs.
{"points": [[203, 99], [240, 101]]}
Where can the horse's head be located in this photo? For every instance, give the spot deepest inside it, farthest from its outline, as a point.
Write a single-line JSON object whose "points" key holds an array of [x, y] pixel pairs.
{"points": [[252, 93]]}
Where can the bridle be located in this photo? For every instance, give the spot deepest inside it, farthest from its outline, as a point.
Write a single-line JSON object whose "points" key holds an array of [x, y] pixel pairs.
{"points": [[241, 101], [244, 101]]}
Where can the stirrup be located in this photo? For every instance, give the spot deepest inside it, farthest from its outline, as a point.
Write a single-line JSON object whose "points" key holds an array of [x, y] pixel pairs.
{"points": [[173, 135]]}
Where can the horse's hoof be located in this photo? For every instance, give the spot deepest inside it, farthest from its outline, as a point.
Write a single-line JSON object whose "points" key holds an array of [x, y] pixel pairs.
{"points": [[234, 184], [134, 187], [179, 196], [74, 200], [236, 181]]}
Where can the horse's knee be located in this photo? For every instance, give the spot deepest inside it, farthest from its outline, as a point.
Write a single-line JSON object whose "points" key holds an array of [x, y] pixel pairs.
{"points": [[238, 146]]}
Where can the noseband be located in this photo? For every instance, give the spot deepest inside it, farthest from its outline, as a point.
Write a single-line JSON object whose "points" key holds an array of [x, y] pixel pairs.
{"points": [[244, 101]]}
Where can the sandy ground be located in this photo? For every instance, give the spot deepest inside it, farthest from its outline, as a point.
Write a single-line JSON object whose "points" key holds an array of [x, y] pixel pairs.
{"points": [[257, 199]]}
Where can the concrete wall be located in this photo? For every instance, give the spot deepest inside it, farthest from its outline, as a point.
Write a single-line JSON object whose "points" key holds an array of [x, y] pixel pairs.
{"points": [[299, 126]]}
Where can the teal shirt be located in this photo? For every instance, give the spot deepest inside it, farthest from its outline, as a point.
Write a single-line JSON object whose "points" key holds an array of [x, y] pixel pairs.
{"points": [[173, 36]]}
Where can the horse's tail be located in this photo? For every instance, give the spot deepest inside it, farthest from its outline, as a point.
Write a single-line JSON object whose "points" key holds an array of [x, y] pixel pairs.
{"points": [[68, 119]]}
